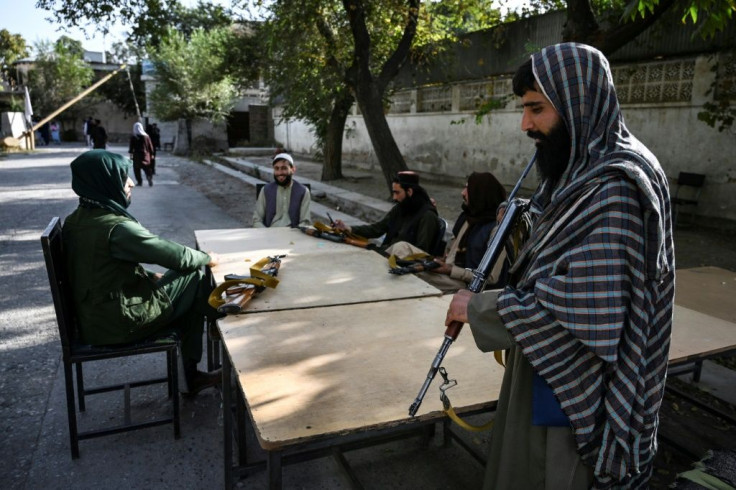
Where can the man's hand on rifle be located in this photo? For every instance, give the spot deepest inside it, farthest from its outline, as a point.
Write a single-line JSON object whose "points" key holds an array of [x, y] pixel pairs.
{"points": [[442, 268], [458, 309], [340, 225]]}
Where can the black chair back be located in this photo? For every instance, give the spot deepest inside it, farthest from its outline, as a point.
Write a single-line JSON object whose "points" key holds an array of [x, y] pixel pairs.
{"points": [[53, 253], [75, 354]]}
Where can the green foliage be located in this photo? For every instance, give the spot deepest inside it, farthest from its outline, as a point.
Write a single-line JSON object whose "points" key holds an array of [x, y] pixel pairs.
{"points": [[191, 77], [149, 20], [118, 90], [12, 48], [59, 74], [305, 68], [718, 114], [711, 16]]}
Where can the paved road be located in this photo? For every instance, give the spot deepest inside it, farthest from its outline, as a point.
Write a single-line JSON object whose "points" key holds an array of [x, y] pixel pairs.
{"points": [[35, 448]]}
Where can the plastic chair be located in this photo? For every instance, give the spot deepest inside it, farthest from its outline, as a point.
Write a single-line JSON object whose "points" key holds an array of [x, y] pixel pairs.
{"points": [[687, 193], [75, 354]]}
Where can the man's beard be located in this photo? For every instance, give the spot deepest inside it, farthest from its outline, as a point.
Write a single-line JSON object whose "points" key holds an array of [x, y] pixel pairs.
{"points": [[553, 151], [285, 183], [409, 205]]}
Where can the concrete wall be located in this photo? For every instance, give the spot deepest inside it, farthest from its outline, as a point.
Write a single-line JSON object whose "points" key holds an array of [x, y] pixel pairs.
{"points": [[438, 143]]}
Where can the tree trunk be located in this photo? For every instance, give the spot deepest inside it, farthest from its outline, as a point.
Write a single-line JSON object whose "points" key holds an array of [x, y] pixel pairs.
{"points": [[189, 136], [332, 151], [384, 144], [369, 89]]}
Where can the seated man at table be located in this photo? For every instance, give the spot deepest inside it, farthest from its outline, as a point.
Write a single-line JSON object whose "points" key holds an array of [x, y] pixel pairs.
{"points": [[283, 202], [413, 219], [116, 299], [482, 195]]}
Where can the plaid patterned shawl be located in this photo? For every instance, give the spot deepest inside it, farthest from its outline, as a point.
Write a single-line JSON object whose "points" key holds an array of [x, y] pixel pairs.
{"points": [[592, 311]]}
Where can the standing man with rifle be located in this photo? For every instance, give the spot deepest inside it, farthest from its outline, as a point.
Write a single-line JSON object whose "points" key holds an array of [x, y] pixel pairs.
{"points": [[587, 316], [283, 202]]}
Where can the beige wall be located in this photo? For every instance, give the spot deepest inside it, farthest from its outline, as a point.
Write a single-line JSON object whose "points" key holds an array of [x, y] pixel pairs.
{"points": [[437, 143]]}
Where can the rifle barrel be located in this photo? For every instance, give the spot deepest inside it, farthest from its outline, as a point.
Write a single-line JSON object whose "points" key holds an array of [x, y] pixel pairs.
{"points": [[480, 276]]}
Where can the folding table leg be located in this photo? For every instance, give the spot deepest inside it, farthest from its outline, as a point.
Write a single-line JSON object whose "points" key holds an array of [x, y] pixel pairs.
{"points": [[227, 420], [274, 470]]}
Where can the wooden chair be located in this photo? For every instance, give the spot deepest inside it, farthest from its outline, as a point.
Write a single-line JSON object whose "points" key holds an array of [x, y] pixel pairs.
{"points": [[75, 353], [687, 193]]}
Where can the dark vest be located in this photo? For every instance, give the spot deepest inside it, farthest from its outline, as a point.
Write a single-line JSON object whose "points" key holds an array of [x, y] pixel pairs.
{"points": [[295, 202], [115, 300]]}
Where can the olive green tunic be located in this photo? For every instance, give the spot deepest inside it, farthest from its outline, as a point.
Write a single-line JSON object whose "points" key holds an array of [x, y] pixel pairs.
{"points": [[116, 299], [522, 455]]}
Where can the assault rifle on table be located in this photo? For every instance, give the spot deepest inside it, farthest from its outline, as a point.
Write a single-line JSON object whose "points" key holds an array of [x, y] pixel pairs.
{"points": [[239, 290], [325, 232], [513, 212], [411, 266]]}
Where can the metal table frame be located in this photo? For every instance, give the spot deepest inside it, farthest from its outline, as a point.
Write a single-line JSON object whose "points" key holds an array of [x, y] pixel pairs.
{"points": [[321, 446]]}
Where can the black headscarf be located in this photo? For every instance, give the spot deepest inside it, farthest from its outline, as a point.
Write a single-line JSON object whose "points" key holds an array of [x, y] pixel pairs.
{"points": [[485, 194], [99, 177]]}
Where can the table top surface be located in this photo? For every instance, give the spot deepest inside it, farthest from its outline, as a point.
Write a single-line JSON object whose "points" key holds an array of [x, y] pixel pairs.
{"points": [[339, 367], [331, 370], [313, 273]]}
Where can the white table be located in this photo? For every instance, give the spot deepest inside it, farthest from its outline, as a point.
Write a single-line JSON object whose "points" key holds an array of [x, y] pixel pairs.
{"points": [[336, 354]]}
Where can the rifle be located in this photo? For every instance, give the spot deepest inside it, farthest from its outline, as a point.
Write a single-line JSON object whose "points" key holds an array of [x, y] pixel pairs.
{"points": [[403, 266], [239, 290], [514, 209], [332, 235]]}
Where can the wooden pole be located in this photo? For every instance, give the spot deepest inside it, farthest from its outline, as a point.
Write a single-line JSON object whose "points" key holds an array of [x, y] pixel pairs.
{"points": [[76, 99]]}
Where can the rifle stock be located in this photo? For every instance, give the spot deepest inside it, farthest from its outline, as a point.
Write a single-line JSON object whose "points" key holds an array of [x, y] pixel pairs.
{"points": [[237, 304], [241, 289], [480, 276]]}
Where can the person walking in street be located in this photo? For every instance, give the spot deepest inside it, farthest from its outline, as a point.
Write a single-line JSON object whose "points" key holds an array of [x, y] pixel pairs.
{"points": [[142, 153], [587, 316], [55, 129], [99, 135], [116, 299], [87, 131]]}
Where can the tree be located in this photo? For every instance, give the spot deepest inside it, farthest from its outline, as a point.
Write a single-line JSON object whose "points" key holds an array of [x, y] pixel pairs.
{"points": [[58, 75], [381, 34], [331, 60], [191, 78], [12, 48], [126, 90]]}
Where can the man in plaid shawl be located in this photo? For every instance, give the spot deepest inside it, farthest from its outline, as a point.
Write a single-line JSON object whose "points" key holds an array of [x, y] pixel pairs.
{"points": [[587, 316]]}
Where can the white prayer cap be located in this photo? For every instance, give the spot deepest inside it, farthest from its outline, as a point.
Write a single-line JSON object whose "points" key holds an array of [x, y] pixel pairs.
{"points": [[283, 156]]}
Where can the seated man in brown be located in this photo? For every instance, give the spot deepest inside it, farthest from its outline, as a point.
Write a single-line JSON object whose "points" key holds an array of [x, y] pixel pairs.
{"points": [[482, 195], [116, 299], [413, 219]]}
